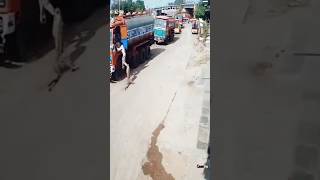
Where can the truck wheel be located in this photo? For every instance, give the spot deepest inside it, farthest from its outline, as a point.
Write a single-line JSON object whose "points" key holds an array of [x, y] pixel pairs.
{"points": [[148, 52], [117, 75], [139, 57], [166, 41], [133, 62], [144, 54]]}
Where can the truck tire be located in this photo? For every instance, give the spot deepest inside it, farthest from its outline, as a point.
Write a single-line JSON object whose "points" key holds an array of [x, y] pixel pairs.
{"points": [[148, 52], [117, 75], [132, 61], [139, 57], [166, 41], [144, 54]]}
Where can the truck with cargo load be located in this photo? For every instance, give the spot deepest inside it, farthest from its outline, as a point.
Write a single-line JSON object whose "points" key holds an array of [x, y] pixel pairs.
{"points": [[136, 35], [164, 29], [194, 26], [21, 29]]}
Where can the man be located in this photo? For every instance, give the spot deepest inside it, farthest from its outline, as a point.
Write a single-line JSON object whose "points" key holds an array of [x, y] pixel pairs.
{"points": [[60, 65], [57, 33], [120, 47]]}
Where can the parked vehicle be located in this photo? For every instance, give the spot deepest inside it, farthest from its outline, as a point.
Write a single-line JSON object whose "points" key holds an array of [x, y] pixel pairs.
{"points": [[136, 35], [177, 28], [164, 29], [21, 31], [180, 20], [185, 20], [194, 26]]}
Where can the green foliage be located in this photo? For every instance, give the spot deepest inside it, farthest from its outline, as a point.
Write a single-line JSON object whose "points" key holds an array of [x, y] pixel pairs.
{"points": [[201, 11], [129, 6], [139, 5]]}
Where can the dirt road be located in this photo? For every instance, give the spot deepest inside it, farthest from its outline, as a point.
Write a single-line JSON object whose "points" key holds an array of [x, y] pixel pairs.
{"points": [[162, 107]]}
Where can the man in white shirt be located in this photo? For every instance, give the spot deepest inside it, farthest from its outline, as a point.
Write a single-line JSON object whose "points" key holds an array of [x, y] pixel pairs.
{"points": [[120, 47], [57, 32]]}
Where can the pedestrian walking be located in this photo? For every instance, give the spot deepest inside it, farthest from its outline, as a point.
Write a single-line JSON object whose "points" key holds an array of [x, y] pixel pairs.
{"points": [[57, 32], [120, 47], [60, 64]]}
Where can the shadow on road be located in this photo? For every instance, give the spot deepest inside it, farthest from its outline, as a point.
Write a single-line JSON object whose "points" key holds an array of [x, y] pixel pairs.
{"points": [[10, 65], [173, 41], [154, 53], [134, 72], [78, 33]]}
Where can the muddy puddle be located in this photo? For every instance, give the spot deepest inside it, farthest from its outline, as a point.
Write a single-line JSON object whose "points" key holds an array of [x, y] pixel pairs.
{"points": [[154, 167]]}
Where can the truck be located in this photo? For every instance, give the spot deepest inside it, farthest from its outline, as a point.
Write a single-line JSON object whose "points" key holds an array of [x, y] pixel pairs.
{"points": [[135, 32], [177, 28], [194, 26], [164, 29], [24, 27]]}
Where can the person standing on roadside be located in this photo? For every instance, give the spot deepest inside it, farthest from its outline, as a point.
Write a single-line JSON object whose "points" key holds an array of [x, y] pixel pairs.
{"points": [[57, 33], [120, 47], [60, 65]]}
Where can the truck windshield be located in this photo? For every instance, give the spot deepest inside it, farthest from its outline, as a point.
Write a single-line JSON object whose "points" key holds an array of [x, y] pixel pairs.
{"points": [[160, 23]]}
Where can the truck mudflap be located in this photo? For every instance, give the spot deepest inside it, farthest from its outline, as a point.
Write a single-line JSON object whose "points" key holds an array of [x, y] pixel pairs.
{"points": [[7, 26]]}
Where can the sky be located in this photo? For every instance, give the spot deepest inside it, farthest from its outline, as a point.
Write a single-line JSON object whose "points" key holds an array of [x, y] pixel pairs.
{"points": [[156, 3]]}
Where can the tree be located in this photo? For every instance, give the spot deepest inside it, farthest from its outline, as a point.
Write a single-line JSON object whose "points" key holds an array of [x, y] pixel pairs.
{"points": [[201, 11], [139, 5], [129, 6]]}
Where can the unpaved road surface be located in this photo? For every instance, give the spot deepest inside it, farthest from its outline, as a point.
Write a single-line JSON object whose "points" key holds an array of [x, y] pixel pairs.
{"points": [[166, 94]]}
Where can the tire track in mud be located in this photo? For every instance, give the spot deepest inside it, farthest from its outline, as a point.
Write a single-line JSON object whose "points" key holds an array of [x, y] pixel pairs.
{"points": [[154, 167]]}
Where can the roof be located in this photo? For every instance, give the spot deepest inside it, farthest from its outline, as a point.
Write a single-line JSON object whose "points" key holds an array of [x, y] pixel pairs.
{"points": [[166, 18], [139, 21]]}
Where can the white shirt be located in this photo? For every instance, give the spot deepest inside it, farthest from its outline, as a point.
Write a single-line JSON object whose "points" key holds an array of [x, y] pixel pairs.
{"points": [[123, 51]]}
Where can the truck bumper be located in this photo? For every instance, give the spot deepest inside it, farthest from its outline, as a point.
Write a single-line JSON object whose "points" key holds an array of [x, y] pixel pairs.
{"points": [[158, 39]]}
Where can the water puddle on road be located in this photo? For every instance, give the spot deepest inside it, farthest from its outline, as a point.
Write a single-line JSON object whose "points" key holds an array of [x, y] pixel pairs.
{"points": [[153, 167]]}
